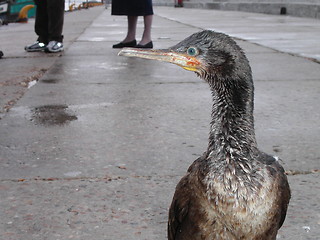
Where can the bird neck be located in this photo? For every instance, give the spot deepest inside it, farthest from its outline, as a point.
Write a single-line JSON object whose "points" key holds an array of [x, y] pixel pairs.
{"points": [[232, 134]]}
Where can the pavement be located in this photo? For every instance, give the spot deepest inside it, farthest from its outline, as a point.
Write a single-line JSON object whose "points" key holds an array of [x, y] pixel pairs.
{"points": [[298, 8], [92, 145]]}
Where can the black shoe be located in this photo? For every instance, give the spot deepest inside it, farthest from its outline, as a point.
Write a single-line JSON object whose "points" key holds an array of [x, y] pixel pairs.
{"points": [[147, 45], [35, 47], [126, 44]]}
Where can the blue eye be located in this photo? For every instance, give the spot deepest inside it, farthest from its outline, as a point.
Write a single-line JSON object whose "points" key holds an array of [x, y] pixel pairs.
{"points": [[192, 51]]}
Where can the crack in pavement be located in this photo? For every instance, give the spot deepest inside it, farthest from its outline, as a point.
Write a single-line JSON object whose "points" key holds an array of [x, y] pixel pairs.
{"points": [[115, 178], [301, 172], [83, 178]]}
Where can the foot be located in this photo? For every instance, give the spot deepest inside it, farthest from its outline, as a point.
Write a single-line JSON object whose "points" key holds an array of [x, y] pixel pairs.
{"points": [[35, 47], [54, 46], [125, 44], [147, 45]]}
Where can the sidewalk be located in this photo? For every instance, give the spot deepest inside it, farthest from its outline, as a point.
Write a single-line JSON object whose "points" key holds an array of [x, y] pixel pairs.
{"points": [[18, 68], [95, 148]]}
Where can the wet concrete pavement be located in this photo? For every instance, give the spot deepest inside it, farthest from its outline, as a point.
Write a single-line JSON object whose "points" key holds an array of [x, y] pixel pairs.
{"points": [[96, 147], [19, 68]]}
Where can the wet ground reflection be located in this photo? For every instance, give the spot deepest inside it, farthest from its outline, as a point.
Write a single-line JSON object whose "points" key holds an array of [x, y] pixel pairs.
{"points": [[50, 115], [50, 81]]}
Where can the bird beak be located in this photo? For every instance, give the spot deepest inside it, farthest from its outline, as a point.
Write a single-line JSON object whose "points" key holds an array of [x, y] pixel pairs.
{"points": [[183, 60]]}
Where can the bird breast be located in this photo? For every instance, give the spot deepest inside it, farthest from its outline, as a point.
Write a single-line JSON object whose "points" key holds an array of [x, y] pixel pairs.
{"points": [[237, 202]]}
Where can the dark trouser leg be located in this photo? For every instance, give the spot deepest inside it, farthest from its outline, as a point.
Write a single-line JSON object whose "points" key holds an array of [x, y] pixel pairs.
{"points": [[41, 23], [55, 10]]}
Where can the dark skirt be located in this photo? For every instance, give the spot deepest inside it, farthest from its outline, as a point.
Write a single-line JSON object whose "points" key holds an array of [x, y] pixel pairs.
{"points": [[132, 7]]}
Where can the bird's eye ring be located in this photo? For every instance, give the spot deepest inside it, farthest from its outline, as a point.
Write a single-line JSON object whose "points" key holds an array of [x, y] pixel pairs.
{"points": [[192, 51]]}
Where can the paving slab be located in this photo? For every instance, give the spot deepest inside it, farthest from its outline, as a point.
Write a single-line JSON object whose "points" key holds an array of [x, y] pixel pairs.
{"points": [[18, 68], [293, 35], [306, 8], [113, 207], [85, 208]]}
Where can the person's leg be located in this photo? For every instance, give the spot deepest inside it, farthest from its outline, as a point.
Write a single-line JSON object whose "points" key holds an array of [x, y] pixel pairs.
{"points": [[55, 9], [130, 39], [146, 37], [132, 27], [41, 21], [40, 28]]}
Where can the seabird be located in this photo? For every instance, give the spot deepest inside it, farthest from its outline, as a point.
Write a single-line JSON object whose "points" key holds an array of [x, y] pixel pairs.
{"points": [[233, 191]]}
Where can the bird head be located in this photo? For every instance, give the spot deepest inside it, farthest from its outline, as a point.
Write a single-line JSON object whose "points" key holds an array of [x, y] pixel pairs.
{"points": [[212, 55]]}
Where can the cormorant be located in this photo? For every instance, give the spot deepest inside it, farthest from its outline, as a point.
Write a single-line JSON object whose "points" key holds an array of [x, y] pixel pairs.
{"points": [[233, 191]]}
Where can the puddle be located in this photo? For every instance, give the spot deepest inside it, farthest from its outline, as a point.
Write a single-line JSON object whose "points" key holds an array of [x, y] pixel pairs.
{"points": [[165, 38], [57, 69], [96, 39], [50, 115], [50, 81]]}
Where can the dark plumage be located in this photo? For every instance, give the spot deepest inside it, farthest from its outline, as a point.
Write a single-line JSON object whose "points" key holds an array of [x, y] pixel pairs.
{"points": [[234, 191]]}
